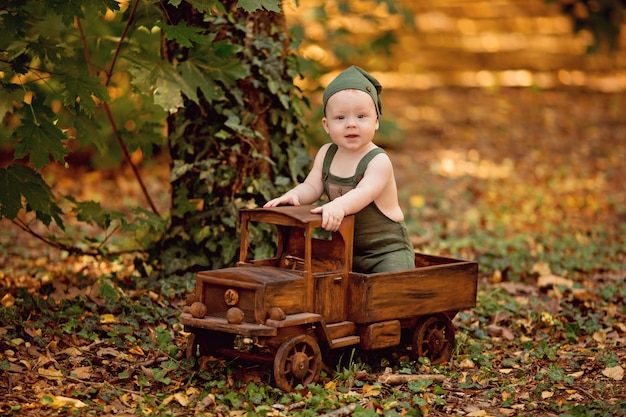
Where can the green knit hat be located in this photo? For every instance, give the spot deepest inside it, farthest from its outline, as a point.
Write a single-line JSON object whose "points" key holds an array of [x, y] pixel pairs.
{"points": [[355, 78]]}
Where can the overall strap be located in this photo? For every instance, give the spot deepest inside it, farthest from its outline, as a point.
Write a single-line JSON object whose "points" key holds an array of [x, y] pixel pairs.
{"points": [[360, 169], [328, 158]]}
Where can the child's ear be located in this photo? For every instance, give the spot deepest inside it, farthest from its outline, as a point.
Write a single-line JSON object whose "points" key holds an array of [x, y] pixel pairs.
{"points": [[377, 122], [325, 124]]}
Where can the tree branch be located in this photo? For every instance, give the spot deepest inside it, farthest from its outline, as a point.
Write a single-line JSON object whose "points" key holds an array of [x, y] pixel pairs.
{"points": [[62, 246], [107, 108], [131, 16]]}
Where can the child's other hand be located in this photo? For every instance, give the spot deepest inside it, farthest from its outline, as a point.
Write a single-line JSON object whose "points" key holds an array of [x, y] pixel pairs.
{"points": [[332, 216]]}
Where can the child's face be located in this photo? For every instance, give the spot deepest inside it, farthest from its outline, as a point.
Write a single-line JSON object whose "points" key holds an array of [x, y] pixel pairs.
{"points": [[351, 119]]}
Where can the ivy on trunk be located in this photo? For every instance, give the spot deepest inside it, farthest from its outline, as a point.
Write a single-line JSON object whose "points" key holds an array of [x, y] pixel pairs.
{"points": [[240, 143]]}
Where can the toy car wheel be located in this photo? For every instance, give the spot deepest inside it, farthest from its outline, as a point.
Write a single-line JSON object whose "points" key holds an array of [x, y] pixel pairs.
{"points": [[433, 338], [298, 360]]}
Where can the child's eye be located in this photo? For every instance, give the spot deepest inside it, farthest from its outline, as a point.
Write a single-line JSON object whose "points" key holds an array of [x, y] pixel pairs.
{"points": [[340, 117]]}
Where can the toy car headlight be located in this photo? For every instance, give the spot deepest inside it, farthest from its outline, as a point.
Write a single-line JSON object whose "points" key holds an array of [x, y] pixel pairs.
{"points": [[231, 297]]}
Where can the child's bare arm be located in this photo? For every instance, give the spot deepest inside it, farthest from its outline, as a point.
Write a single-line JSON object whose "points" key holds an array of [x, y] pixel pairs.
{"points": [[307, 192]]}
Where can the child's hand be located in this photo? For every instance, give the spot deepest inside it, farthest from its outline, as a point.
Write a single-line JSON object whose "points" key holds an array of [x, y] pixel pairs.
{"points": [[332, 215], [289, 199]]}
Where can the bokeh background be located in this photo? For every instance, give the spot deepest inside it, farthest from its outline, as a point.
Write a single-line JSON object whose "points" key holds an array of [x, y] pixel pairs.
{"points": [[506, 127]]}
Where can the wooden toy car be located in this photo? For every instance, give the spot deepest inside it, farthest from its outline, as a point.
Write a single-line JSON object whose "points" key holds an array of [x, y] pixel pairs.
{"points": [[286, 311]]}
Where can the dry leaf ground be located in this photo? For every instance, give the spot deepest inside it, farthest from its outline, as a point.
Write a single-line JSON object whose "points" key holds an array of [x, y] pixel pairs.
{"points": [[529, 183]]}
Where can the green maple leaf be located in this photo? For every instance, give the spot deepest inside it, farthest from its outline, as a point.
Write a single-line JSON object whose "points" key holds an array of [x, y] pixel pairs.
{"points": [[168, 83], [40, 140], [17, 181], [204, 6], [185, 35], [38, 134], [91, 212], [9, 94], [159, 79], [79, 87], [254, 5]]}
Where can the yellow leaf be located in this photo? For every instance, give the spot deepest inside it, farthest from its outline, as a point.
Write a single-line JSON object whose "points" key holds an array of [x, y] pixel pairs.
{"points": [[479, 413], [546, 394], [50, 372], [496, 277], [72, 351], [330, 386], [17, 341], [182, 399], [370, 390], [107, 318], [136, 350], [8, 300], [60, 402]]}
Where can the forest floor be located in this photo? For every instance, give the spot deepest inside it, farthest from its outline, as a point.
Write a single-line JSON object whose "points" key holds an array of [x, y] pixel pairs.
{"points": [[528, 183]]}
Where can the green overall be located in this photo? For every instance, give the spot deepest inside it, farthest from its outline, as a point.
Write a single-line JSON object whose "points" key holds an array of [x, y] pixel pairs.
{"points": [[380, 244]]}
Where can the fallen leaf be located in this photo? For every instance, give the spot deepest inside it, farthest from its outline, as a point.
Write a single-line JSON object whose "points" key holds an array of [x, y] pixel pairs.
{"points": [[395, 379], [82, 372], [136, 350], [107, 319], [17, 341], [32, 332], [614, 372], [541, 268], [61, 402], [182, 399], [8, 300], [50, 372], [330, 386], [108, 352], [72, 351], [599, 337], [13, 367], [370, 390], [148, 372], [467, 363], [553, 280]]}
